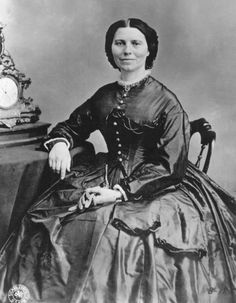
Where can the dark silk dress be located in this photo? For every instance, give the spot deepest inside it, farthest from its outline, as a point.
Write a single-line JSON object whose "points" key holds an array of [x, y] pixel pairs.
{"points": [[173, 240]]}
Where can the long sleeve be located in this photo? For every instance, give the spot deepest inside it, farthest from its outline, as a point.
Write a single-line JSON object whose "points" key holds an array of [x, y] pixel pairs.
{"points": [[81, 123], [166, 164]]}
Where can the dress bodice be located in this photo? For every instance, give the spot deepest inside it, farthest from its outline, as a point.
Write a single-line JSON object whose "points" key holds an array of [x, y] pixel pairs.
{"points": [[145, 128], [132, 143]]}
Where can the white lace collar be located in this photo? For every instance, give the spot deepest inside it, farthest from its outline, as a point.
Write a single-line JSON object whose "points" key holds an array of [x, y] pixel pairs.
{"points": [[134, 82]]}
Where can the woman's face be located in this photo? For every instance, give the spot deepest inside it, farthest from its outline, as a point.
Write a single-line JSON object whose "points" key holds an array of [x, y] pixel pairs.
{"points": [[129, 49]]}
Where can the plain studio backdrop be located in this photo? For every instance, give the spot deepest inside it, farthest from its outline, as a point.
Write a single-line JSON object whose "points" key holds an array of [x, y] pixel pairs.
{"points": [[59, 44]]}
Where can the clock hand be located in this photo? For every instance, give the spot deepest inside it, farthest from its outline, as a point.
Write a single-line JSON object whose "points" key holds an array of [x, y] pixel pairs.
{"points": [[4, 93], [2, 90]]}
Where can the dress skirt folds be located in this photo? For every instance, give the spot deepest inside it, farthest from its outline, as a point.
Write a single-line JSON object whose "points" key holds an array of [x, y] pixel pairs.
{"points": [[173, 240]]}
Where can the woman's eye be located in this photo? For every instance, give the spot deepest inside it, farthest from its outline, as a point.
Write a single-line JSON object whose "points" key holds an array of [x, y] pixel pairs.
{"points": [[135, 43], [118, 43]]}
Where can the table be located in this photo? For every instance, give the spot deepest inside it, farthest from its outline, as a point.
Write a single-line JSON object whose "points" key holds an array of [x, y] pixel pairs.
{"points": [[24, 174], [21, 171]]}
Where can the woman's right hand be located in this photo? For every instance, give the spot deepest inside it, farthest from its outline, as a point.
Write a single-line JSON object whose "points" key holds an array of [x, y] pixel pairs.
{"points": [[60, 159]]}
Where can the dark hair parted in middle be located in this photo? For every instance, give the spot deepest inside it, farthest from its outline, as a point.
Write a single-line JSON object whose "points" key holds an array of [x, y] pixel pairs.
{"points": [[149, 33]]}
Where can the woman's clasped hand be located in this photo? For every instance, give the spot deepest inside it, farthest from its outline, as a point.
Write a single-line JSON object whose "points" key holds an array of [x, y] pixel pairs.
{"points": [[97, 195]]}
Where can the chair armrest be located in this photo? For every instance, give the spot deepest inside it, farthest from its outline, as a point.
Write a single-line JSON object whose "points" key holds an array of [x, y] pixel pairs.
{"points": [[203, 127], [84, 152]]}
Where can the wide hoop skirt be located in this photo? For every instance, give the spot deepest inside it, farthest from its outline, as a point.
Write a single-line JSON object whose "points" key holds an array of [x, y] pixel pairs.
{"points": [[178, 246]]}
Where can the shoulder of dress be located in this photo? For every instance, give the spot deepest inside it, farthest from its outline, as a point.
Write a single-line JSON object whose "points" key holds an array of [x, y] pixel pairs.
{"points": [[168, 96], [164, 90], [107, 87], [104, 90]]}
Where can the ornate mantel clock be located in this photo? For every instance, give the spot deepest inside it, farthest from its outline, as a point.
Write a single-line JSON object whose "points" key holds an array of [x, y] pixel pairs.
{"points": [[17, 113], [14, 107]]}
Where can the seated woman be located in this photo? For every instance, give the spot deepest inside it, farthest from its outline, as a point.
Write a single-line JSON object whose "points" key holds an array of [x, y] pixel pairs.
{"points": [[137, 224]]}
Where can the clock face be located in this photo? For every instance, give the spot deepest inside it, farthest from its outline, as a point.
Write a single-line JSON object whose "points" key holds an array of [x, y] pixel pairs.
{"points": [[8, 92]]}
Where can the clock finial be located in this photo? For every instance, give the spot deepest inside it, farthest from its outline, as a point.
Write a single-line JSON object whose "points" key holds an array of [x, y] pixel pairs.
{"points": [[2, 39]]}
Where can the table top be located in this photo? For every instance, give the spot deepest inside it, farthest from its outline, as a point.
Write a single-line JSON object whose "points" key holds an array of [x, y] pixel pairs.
{"points": [[23, 127], [24, 134]]}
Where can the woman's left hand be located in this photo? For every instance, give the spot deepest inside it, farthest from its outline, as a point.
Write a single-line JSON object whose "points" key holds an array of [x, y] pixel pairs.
{"points": [[103, 195], [97, 195]]}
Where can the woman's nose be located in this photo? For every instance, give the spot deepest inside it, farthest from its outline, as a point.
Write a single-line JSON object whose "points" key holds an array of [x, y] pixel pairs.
{"points": [[127, 49]]}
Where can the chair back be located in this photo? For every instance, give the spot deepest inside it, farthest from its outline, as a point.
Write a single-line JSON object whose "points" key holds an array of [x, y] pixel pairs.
{"points": [[208, 137]]}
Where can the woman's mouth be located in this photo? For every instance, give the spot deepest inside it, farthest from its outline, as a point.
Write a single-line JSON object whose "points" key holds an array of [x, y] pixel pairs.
{"points": [[126, 60]]}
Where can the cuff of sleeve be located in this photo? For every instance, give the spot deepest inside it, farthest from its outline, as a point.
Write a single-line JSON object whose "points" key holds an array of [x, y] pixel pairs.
{"points": [[129, 194], [120, 189], [50, 143]]}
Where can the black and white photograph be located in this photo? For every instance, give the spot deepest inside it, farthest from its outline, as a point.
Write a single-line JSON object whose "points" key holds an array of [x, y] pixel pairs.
{"points": [[117, 151]]}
